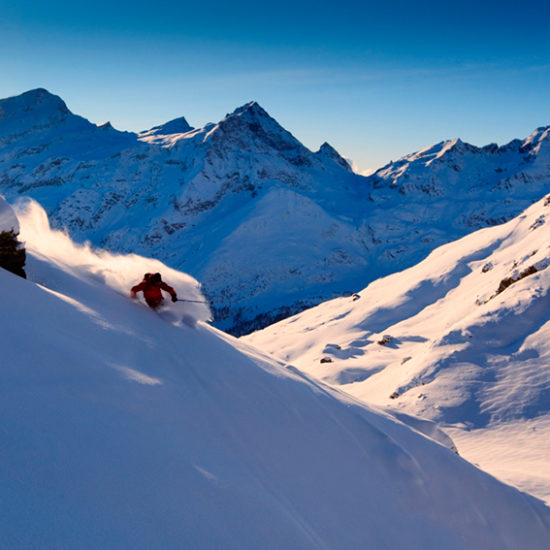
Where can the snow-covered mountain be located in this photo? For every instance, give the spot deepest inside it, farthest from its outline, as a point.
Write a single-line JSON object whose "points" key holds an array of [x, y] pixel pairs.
{"points": [[266, 225], [462, 339], [123, 428]]}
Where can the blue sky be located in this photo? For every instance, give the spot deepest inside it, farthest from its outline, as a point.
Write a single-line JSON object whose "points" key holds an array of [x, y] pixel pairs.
{"points": [[376, 79]]}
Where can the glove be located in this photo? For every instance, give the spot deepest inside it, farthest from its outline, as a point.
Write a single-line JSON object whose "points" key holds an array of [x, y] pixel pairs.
{"points": [[174, 298]]}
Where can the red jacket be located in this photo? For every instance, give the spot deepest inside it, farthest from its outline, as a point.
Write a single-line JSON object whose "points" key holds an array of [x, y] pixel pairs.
{"points": [[152, 292]]}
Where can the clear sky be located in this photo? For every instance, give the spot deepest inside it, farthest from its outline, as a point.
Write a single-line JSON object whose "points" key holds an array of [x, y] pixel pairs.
{"points": [[376, 79]]}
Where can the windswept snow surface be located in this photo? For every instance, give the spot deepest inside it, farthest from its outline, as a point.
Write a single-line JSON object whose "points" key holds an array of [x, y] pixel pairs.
{"points": [[462, 339], [123, 429]]}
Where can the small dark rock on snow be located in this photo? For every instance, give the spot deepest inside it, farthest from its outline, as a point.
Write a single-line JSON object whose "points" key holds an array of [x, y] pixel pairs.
{"points": [[386, 339]]}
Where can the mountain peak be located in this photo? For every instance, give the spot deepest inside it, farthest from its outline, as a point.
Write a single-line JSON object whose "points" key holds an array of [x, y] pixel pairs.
{"points": [[251, 113], [176, 126], [458, 146], [39, 96], [38, 101], [252, 108], [442, 150], [33, 109], [537, 140], [327, 148], [252, 117], [328, 151]]}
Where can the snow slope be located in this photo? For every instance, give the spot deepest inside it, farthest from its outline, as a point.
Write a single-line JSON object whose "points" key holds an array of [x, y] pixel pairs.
{"points": [[462, 339], [268, 226], [122, 428]]}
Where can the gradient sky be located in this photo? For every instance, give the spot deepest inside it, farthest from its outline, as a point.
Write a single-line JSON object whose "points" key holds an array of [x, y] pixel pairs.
{"points": [[377, 80]]}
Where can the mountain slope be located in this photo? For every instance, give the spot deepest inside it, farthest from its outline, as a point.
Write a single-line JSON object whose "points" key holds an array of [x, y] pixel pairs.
{"points": [[245, 188], [461, 339], [124, 428], [175, 193]]}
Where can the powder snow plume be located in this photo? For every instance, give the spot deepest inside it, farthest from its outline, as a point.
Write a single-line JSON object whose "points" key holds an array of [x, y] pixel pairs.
{"points": [[120, 272]]}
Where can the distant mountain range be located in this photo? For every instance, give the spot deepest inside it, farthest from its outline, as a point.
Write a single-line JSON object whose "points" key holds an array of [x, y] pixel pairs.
{"points": [[266, 225]]}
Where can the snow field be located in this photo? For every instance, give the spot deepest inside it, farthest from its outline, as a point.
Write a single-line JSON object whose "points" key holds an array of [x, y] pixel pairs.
{"points": [[467, 344], [122, 430]]}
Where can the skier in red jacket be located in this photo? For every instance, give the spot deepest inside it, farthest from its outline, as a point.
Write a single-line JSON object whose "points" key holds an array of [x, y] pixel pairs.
{"points": [[151, 287]]}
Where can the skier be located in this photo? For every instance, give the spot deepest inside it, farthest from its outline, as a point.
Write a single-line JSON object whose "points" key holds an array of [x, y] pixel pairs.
{"points": [[151, 287]]}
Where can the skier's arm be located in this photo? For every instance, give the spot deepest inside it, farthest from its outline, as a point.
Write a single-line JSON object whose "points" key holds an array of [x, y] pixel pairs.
{"points": [[135, 289], [170, 290]]}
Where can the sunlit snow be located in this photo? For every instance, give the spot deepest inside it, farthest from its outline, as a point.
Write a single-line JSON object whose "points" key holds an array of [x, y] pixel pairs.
{"points": [[123, 428], [462, 338]]}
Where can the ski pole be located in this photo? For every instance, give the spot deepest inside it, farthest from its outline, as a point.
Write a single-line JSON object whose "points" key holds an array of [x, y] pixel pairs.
{"points": [[193, 301]]}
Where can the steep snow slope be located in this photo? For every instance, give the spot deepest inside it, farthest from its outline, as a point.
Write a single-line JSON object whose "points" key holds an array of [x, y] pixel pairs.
{"points": [[123, 429], [299, 227], [463, 338]]}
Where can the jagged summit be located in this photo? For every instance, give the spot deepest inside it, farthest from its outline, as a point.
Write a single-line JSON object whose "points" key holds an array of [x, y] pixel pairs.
{"points": [[252, 116], [251, 128], [252, 108]]}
